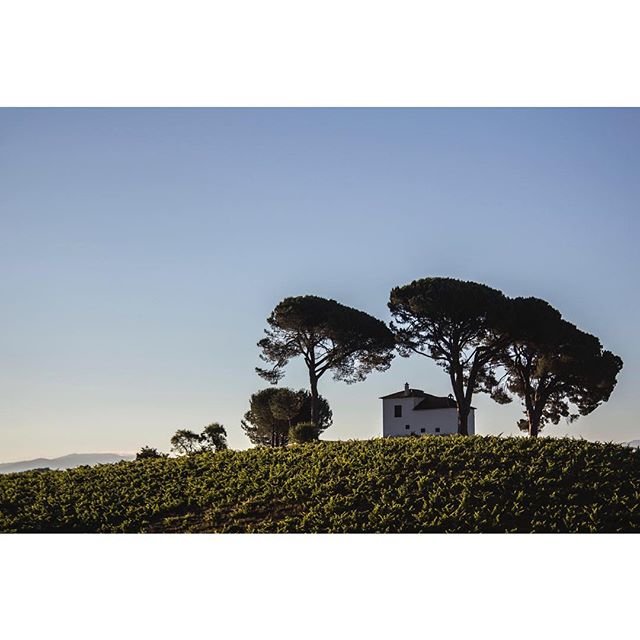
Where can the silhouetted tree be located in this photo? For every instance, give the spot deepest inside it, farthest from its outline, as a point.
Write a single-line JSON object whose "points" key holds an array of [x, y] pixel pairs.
{"points": [[452, 322], [330, 337], [286, 404], [149, 452], [265, 429], [213, 437], [185, 441], [554, 366]]}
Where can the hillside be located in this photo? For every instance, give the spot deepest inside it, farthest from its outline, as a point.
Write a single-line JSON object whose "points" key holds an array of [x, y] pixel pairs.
{"points": [[63, 462], [428, 484]]}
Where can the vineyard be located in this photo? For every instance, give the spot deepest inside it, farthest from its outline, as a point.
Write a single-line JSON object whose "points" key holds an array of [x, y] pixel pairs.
{"points": [[427, 484]]}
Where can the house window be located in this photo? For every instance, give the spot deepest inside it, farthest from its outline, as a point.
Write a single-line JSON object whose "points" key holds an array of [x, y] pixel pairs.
{"points": [[437, 429], [422, 430], [397, 411], [407, 426]]}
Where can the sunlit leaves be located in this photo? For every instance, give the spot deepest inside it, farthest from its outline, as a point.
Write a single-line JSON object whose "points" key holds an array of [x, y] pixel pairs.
{"points": [[385, 485]]}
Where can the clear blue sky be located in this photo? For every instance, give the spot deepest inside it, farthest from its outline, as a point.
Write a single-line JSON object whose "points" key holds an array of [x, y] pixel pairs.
{"points": [[142, 250]]}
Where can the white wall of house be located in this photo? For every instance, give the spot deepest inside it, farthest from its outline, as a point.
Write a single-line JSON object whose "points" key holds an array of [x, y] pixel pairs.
{"points": [[433, 421], [392, 425]]}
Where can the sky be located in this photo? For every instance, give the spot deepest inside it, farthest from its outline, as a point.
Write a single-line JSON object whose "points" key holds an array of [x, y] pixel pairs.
{"points": [[141, 251]]}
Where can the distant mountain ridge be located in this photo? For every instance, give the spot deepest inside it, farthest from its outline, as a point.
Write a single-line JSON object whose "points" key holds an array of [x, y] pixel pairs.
{"points": [[633, 443], [64, 462]]}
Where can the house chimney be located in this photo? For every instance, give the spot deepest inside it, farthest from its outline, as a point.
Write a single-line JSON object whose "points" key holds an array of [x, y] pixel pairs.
{"points": [[406, 388]]}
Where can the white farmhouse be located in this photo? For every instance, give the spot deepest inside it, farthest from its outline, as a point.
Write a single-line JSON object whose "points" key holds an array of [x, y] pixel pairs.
{"points": [[414, 412]]}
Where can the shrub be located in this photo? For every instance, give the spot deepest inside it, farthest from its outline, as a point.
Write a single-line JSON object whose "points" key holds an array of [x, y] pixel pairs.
{"points": [[303, 432], [149, 452], [214, 437]]}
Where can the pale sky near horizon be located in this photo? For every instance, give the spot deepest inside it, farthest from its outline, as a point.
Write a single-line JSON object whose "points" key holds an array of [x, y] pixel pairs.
{"points": [[142, 251]]}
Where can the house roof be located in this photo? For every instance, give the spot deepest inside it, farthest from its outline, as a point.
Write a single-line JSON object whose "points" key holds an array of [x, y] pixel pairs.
{"points": [[435, 402], [408, 393], [428, 401]]}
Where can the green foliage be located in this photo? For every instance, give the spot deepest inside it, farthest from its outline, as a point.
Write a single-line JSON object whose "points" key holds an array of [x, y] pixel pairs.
{"points": [[263, 428], [303, 432], [426, 484], [149, 452], [454, 323]]}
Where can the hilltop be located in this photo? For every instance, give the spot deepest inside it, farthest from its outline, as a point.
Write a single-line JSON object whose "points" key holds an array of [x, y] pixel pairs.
{"points": [[69, 461], [427, 484]]}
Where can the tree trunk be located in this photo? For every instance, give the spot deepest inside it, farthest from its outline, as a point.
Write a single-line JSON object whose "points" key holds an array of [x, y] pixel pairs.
{"points": [[534, 425], [535, 406], [463, 419], [313, 382], [464, 404]]}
